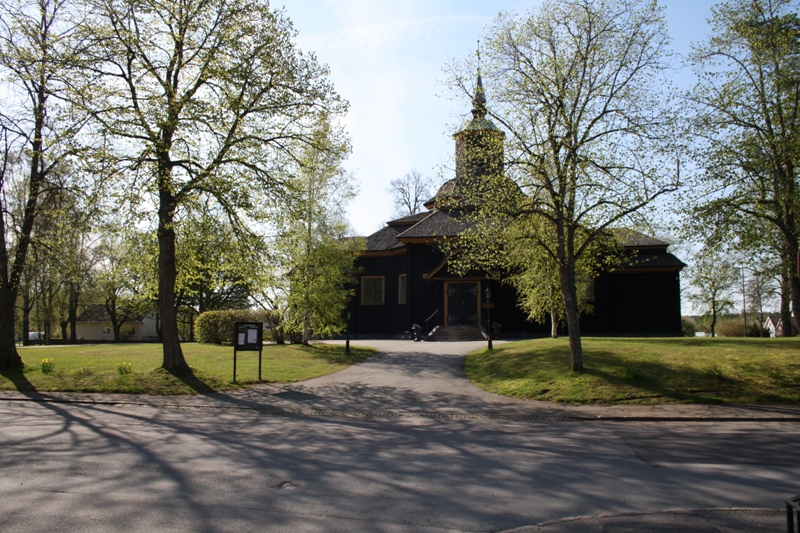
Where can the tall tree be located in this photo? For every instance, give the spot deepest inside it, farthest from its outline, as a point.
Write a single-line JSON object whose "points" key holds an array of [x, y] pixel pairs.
{"points": [[579, 87], [317, 261], [747, 108], [39, 48], [409, 193], [206, 96], [713, 279]]}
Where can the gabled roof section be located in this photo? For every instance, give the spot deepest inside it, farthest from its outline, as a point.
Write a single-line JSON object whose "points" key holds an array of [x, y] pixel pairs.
{"points": [[436, 224], [409, 220], [651, 259], [634, 239], [385, 239]]}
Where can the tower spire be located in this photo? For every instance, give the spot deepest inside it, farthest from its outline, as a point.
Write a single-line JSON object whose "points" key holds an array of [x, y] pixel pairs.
{"points": [[479, 100]]}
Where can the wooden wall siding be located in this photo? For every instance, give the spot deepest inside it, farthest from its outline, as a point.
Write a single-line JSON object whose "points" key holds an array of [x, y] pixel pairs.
{"points": [[625, 303]]}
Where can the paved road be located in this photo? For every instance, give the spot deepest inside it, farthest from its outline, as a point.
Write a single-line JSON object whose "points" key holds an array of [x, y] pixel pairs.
{"points": [[399, 443]]}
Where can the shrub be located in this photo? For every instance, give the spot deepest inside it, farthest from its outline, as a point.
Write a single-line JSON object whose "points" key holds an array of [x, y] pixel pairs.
{"points": [[216, 327], [730, 327], [126, 332], [734, 327], [688, 327]]}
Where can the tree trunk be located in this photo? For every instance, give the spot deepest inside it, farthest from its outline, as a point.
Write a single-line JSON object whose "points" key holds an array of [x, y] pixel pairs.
{"points": [[307, 327], [26, 317], [72, 315], [570, 294], [9, 357], [794, 287], [786, 302], [713, 316], [167, 275]]}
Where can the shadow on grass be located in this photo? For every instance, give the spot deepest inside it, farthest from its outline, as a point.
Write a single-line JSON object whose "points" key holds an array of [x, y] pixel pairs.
{"points": [[690, 385], [188, 378], [17, 377], [334, 353]]}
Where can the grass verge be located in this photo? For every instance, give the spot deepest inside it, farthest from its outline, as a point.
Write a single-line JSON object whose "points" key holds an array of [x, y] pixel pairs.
{"points": [[643, 371], [134, 368]]}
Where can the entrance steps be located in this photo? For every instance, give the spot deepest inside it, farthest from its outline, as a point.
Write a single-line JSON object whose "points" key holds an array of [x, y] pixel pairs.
{"points": [[456, 333]]}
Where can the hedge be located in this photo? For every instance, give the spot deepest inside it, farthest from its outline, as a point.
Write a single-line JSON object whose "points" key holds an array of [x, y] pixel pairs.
{"points": [[216, 327]]}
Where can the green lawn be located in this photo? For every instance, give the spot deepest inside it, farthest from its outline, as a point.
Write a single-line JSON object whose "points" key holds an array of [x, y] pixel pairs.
{"points": [[644, 371], [94, 368]]}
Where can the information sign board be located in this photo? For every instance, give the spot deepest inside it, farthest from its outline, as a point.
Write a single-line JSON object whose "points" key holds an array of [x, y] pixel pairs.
{"points": [[247, 337]]}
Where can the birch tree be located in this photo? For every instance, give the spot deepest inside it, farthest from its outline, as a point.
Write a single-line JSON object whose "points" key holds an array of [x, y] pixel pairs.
{"points": [[316, 259]]}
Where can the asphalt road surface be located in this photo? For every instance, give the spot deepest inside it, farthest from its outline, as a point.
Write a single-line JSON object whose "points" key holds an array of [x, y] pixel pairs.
{"points": [[399, 443]]}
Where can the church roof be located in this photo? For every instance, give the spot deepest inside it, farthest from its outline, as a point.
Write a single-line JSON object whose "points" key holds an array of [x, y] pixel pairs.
{"points": [[384, 239], [436, 224], [634, 239], [409, 220]]}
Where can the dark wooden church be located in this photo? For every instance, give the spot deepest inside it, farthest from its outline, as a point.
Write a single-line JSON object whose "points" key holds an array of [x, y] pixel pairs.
{"points": [[405, 278]]}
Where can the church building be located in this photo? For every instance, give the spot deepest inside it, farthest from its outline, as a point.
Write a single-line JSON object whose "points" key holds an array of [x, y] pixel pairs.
{"points": [[405, 278]]}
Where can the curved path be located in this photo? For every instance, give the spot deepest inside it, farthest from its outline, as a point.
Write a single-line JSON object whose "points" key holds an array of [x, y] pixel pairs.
{"points": [[403, 379]]}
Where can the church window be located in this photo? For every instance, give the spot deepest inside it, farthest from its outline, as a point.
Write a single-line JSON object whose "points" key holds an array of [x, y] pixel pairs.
{"points": [[402, 286], [372, 292]]}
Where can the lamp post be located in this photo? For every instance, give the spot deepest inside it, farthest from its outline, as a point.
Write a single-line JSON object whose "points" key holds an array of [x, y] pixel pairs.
{"points": [[489, 306]]}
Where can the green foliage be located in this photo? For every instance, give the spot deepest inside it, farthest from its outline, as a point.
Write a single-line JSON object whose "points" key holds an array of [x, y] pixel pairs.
{"points": [[217, 327], [241, 104], [688, 327], [316, 270], [746, 115], [123, 369], [570, 97], [713, 278], [40, 138], [126, 332]]}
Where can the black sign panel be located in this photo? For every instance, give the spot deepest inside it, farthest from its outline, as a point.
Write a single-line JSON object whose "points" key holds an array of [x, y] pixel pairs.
{"points": [[248, 336]]}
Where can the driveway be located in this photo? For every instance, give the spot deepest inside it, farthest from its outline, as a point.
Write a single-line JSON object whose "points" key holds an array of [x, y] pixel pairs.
{"points": [[400, 443]]}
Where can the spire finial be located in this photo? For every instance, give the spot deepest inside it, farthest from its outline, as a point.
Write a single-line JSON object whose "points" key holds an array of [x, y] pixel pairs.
{"points": [[479, 100]]}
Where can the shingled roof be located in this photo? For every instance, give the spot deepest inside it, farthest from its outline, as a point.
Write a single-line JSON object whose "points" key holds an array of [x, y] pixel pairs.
{"points": [[634, 239], [385, 239], [409, 220], [436, 224]]}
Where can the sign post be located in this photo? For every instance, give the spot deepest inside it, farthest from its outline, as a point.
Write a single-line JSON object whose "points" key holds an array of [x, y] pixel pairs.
{"points": [[248, 337]]}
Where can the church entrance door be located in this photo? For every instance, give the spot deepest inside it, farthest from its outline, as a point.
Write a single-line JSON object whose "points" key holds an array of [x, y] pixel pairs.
{"points": [[463, 302]]}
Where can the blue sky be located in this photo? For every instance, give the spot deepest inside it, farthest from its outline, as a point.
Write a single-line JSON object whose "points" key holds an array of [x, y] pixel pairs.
{"points": [[386, 58]]}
